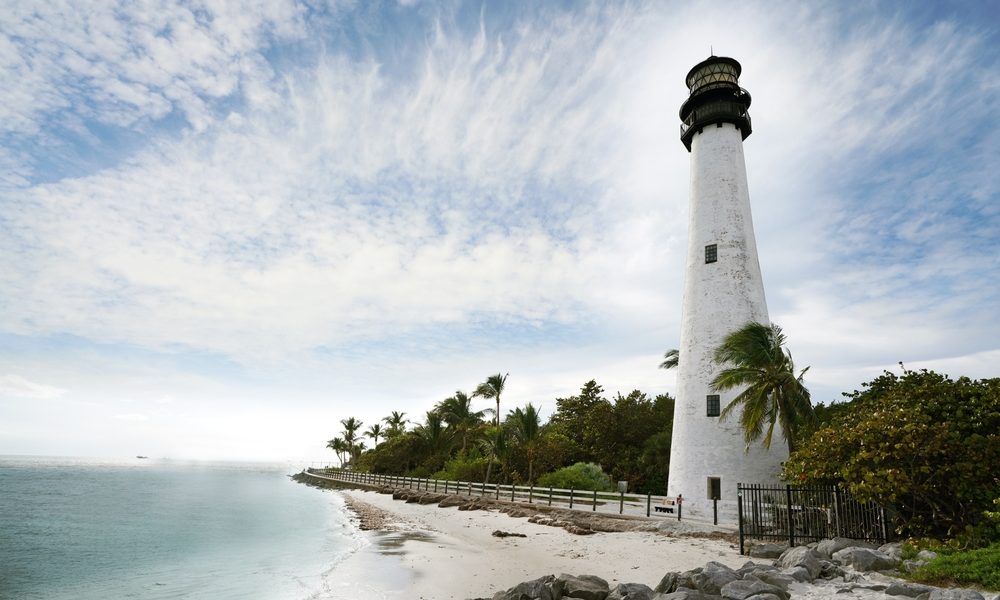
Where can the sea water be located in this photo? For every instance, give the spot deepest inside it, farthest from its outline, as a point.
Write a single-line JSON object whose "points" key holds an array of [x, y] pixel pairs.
{"points": [[156, 529]]}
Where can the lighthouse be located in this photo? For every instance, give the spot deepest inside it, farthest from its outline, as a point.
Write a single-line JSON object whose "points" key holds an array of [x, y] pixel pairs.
{"points": [[723, 291]]}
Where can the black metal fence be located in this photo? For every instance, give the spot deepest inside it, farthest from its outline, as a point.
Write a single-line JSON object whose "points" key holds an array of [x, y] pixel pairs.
{"points": [[798, 514]]}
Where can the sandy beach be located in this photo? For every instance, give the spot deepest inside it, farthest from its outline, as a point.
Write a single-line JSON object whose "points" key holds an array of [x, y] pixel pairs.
{"points": [[447, 553]]}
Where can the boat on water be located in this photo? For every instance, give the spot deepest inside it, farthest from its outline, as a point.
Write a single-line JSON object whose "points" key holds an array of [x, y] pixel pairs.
{"points": [[140, 456]]}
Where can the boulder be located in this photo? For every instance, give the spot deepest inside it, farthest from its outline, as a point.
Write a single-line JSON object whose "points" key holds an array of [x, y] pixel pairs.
{"points": [[543, 588], [713, 577], [800, 556], [829, 570], [586, 587], [668, 583], [684, 593], [767, 550], [955, 594], [773, 578], [431, 498], [800, 574], [864, 559], [449, 501], [827, 548], [908, 589], [631, 591], [926, 555], [892, 549], [746, 588]]}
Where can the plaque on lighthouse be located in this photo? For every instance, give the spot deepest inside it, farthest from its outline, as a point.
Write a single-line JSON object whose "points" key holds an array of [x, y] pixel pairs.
{"points": [[723, 291]]}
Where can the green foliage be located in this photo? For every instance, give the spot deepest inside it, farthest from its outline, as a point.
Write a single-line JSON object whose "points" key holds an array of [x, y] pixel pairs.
{"points": [[580, 476], [464, 467], [971, 567], [921, 444], [757, 363]]}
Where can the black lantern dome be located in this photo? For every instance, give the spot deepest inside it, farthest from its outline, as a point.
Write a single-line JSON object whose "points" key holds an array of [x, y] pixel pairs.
{"points": [[716, 97]]}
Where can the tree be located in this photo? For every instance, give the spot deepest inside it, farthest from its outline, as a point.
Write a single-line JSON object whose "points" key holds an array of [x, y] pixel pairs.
{"points": [[771, 391], [527, 429], [374, 432], [458, 414], [671, 358], [351, 426], [492, 388], [921, 444], [434, 440], [339, 447], [396, 422]]}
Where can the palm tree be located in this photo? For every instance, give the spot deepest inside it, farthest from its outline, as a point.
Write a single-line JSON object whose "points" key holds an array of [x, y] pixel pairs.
{"points": [[351, 426], [527, 429], [492, 388], [458, 414], [497, 447], [670, 359], [432, 433], [396, 422], [771, 392], [374, 432], [338, 446]]}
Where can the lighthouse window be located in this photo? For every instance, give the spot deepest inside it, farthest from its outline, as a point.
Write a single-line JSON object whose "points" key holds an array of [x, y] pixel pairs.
{"points": [[711, 253], [713, 404], [714, 488]]}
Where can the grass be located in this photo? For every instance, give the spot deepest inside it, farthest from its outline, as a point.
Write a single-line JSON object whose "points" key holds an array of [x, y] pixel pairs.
{"points": [[980, 567]]}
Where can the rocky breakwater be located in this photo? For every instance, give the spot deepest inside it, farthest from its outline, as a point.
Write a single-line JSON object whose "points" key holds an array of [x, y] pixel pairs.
{"points": [[827, 569]]}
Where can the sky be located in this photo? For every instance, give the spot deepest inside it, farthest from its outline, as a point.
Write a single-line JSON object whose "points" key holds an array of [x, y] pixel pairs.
{"points": [[226, 226]]}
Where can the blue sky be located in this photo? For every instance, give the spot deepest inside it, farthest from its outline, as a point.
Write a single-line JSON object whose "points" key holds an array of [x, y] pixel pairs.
{"points": [[226, 226]]}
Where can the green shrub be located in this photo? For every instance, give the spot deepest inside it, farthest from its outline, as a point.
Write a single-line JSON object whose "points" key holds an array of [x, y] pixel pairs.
{"points": [[464, 467], [918, 444], [972, 567], [580, 476]]}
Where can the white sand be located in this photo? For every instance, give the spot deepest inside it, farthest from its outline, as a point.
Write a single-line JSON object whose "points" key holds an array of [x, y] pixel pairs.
{"points": [[449, 553]]}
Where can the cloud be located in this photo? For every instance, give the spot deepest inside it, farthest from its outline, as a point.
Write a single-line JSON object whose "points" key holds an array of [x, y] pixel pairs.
{"points": [[19, 387]]}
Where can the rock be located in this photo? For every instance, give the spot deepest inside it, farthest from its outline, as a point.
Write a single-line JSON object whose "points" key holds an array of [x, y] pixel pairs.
{"points": [[765, 597], [800, 556], [400, 495], [743, 589], [577, 530], [685, 594], [892, 549], [829, 570], [955, 594], [543, 588], [800, 574], [631, 591], [912, 565], [773, 578], [431, 498], [926, 555], [713, 577], [503, 534], [449, 501], [767, 550], [864, 559], [586, 587], [668, 583], [908, 589], [827, 548]]}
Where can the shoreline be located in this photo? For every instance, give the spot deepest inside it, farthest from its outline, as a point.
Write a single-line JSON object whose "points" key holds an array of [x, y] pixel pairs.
{"points": [[449, 553]]}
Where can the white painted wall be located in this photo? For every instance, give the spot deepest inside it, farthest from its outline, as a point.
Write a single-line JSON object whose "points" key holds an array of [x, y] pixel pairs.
{"points": [[718, 298]]}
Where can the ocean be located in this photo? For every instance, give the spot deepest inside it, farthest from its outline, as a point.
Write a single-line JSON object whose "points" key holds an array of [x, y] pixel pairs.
{"points": [[87, 529]]}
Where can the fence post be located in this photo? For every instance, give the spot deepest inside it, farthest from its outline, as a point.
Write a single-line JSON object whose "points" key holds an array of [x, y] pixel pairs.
{"points": [[550, 495], [715, 511], [497, 490], [837, 507], [594, 508], [571, 498], [739, 515], [470, 489], [791, 521], [531, 494], [513, 488], [649, 499], [621, 502], [680, 505]]}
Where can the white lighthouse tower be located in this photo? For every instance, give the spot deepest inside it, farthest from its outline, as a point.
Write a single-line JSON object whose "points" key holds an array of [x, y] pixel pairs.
{"points": [[723, 291]]}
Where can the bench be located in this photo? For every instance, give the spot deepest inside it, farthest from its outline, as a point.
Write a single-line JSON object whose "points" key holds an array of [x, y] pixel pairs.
{"points": [[666, 507]]}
